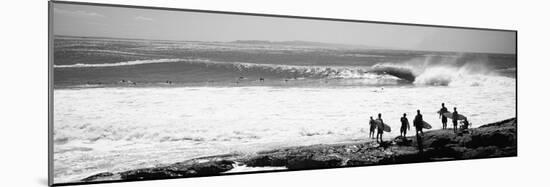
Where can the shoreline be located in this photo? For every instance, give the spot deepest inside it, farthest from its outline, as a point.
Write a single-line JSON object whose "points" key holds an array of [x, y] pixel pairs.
{"points": [[498, 139]]}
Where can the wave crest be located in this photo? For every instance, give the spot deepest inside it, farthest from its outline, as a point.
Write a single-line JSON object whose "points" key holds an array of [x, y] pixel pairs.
{"points": [[127, 63], [281, 71], [433, 74]]}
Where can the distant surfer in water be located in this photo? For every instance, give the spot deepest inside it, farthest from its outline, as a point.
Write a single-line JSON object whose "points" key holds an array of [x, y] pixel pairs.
{"points": [[455, 120], [418, 122], [372, 128], [380, 129], [442, 111], [404, 125], [261, 79]]}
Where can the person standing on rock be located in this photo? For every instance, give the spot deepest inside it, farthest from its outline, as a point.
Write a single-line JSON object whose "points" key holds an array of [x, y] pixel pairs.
{"points": [[404, 125], [418, 122], [455, 120], [372, 125], [380, 129], [442, 111], [465, 124]]}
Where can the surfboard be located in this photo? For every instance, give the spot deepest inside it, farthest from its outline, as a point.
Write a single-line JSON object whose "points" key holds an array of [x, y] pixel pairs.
{"points": [[426, 125], [450, 115], [387, 128]]}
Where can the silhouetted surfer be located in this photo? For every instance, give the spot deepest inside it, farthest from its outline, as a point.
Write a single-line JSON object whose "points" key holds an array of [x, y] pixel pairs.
{"points": [[465, 124], [261, 79], [443, 118], [372, 128], [455, 119], [404, 125], [380, 130], [418, 122]]}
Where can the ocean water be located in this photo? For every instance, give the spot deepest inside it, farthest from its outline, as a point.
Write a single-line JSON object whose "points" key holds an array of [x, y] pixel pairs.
{"points": [[122, 104]]}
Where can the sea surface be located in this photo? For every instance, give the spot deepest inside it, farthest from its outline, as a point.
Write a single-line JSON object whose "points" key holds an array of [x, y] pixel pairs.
{"points": [[123, 104]]}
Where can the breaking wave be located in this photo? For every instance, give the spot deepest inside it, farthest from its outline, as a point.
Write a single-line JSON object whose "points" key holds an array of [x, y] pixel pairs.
{"points": [[438, 74], [127, 63]]}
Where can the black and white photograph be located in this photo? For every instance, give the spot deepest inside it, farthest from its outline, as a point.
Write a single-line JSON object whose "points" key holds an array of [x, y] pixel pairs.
{"points": [[143, 93]]}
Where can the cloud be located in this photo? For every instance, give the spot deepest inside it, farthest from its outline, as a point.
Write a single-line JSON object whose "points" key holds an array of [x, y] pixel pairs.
{"points": [[79, 13], [142, 18]]}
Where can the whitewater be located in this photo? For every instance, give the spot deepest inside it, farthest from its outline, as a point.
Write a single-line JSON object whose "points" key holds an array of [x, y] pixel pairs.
{"points": [[115, 129], [193, 99]]}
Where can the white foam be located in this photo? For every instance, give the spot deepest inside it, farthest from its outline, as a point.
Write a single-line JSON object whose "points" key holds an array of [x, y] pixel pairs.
{"points": [[127, 128], [127, 63]]}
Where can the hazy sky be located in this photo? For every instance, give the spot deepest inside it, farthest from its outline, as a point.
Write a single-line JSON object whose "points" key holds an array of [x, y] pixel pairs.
{"points": [[85, 20]]}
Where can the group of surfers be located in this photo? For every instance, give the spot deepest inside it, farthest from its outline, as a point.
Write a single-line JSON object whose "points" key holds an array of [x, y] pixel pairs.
{"points": [[418, 123]]}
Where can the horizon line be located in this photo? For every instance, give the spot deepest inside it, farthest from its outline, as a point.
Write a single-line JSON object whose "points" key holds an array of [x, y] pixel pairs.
{"points": [[275, 41]]}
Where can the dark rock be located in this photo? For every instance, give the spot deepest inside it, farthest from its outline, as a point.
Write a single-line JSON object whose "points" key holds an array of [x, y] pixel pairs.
{"points": [[402, 141], [358, 162], [183, 169], [481, 152], [403, 158], [190, 172], [447, 151], [151, 173], [385, 145], [501, 123], [212, 168], [314, 162], [440, 142], [493, 137], [498, 139], [266, 160]]}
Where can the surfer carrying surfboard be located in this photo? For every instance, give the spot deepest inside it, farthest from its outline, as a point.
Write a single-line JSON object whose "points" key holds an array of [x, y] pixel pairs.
{"points": [[380, 129], [455, 120], [404, 125], [443, 118], [372, 124], [418, 122]]}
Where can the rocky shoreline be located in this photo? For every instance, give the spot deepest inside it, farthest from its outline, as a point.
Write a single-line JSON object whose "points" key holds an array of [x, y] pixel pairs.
{"points": [[488, 141]]}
